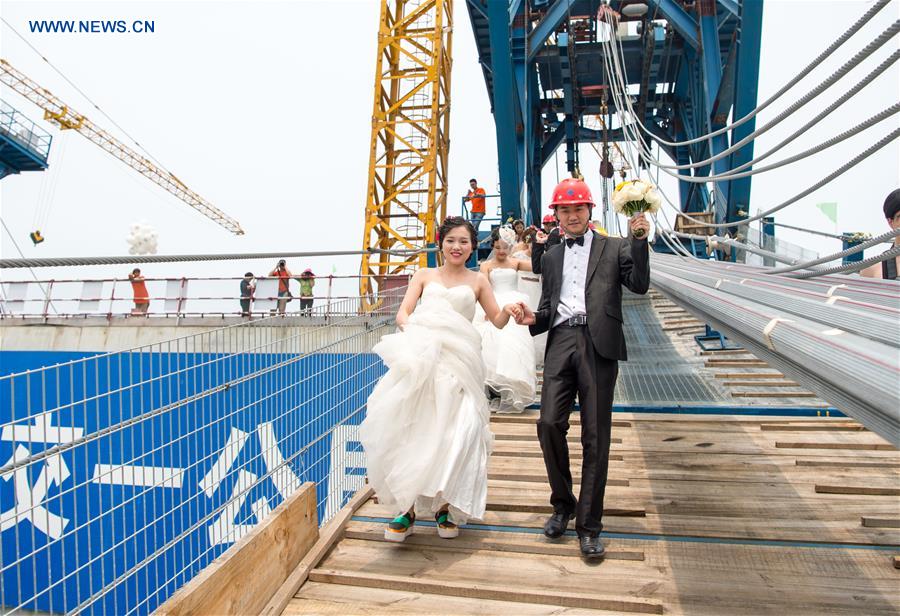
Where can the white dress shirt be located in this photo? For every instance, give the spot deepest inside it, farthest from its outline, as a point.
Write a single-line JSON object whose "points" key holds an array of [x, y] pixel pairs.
{"points": [[571, 294]]}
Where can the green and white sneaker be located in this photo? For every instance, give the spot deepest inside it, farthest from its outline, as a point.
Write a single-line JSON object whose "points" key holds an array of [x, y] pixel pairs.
{"points": [[446, 529], [401, 527]]}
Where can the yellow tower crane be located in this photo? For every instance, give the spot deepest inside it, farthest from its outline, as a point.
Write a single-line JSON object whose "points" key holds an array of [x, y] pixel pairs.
{"points": [[66, 118], [407, 186]]}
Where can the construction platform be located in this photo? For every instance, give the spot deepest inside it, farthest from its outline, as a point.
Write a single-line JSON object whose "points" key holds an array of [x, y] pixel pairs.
{"points": [[745, 498], [704, 515]]}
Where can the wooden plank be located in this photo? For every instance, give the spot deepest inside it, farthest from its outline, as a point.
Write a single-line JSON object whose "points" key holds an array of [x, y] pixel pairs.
{"points": [[575, 438], [760, 383], [849, 464], [896, 561], [573, 455], [725, 352], [748, 375], [523, 476], [472, 538], [244, 578], [531, 507], [774, 526], [341, 600], [812, 428], [860, 490], [847, 446], [880, 522], [772, 394], [330, 534], [487, 591], [735, 363], [531, 418]]}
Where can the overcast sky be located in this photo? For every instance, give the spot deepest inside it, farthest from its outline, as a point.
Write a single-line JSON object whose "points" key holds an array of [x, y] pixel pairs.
{"points": [[264, 108]]}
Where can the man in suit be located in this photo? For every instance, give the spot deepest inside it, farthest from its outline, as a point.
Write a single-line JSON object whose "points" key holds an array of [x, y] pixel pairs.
{"points": [[581, 306]]}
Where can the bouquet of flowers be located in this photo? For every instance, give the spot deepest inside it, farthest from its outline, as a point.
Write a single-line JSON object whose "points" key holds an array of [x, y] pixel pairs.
{"points": [[630, 198]]}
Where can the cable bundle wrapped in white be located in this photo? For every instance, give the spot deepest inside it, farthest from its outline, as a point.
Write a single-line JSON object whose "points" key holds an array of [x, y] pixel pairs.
{"points": [[142, 239], [630, 198]]}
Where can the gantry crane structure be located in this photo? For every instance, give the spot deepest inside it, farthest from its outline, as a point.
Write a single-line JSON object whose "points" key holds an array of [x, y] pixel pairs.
{"points": [[66, 118], [690, 65], [410, 141]]}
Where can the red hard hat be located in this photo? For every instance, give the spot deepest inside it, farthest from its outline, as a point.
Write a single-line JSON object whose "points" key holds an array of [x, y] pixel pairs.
{"points": [[571, 192], [548, 218]]}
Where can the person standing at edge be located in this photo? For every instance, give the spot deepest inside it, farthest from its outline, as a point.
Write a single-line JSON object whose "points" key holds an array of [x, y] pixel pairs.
{"points": [[581, 306], [476, 197], [888, 269]]}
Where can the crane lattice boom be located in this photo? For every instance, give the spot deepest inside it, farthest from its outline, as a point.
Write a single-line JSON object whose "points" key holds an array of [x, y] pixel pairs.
{"points": [[67, 118]]}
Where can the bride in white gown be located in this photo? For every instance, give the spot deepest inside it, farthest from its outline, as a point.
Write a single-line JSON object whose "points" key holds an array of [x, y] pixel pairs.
{"points": [[426, 433], [508, 353]]}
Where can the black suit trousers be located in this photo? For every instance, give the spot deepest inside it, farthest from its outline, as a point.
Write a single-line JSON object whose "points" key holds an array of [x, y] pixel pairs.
{"points": [[572, 365]]}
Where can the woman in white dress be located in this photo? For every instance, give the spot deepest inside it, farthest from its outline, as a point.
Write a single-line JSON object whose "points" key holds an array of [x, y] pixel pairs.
{"points": [[530, 285], [508, 353], [426, 434]]}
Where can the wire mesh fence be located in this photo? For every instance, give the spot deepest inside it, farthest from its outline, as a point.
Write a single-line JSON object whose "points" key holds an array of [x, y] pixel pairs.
{"points": [[124, 474]]}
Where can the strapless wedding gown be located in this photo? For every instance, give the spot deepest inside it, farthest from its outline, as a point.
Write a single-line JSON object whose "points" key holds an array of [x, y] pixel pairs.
{"points": [[426, 433], [530, 285], [508, 353]]}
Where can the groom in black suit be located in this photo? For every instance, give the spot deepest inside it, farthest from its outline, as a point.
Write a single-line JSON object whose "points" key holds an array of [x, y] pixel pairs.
{"points": [[581, 306]]}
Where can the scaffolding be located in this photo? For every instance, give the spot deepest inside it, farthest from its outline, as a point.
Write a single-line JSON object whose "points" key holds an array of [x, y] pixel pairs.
{"points": [[407, 184]]}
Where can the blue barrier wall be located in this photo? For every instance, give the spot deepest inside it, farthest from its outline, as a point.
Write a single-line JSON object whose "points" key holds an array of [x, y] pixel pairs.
{"points": [[181, 411]]}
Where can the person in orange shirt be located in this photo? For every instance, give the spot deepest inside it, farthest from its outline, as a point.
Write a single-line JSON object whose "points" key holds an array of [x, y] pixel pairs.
{"points": [[141, 296], [284, 290], [476, 196]]}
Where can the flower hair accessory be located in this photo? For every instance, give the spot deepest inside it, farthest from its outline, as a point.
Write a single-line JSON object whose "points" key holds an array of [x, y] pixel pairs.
{"points": [[507, 235]]}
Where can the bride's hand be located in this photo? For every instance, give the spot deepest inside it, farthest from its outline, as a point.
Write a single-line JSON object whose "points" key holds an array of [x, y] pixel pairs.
{"points": [[513, 310], [527, 315]]}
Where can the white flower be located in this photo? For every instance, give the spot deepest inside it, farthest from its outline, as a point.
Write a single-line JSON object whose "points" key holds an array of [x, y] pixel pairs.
{"points": [[632, 192], [653, 200]]}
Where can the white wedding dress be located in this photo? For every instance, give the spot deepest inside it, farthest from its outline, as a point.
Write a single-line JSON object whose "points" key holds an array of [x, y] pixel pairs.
{"points": [[426, 434], [508, 353], [530, 285]]}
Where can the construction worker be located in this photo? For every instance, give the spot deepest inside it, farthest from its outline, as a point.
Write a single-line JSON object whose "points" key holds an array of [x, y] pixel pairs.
{"points": [[549, 223], [476, 197]]}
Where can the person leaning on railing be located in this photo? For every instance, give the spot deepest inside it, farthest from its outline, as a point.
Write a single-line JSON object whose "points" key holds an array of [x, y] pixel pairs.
{"points": [[307, 282], [476, 197], [247, 288], [284, 290], [139, 288]]}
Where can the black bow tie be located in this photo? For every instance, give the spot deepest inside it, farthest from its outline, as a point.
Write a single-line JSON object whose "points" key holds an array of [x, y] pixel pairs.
{"points": [[570, 241]]}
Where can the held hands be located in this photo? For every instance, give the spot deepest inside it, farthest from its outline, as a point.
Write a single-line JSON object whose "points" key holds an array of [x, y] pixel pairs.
{"points": [[514, 311], [526, 315], [640, 226]]}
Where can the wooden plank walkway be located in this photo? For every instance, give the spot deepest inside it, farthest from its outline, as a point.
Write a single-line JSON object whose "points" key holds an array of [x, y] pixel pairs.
{"points": [[705, 515]]}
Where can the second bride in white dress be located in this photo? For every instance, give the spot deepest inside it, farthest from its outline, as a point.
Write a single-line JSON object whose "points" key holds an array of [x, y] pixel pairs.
{"points": [[508, 353]]}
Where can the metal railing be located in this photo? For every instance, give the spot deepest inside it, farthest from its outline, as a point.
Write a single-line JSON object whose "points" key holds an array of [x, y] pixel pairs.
{"points": [[25, 132], [124, 474], [168, 297]]}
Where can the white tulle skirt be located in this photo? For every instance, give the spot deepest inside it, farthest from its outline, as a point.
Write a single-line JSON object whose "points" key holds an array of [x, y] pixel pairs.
{"points": [[426, 435], [509, 359]]}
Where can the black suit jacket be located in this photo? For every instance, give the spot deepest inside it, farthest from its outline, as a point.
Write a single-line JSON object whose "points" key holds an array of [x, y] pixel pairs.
{"points": [[613, 263], [538, 250]]}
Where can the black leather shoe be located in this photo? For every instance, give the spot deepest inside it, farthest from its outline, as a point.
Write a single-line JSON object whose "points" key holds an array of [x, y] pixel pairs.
{"points": [[556, 524], [591, 547]]}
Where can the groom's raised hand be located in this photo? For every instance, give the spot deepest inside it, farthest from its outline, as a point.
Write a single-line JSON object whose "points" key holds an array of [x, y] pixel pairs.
{"points": [[640, 226]]}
